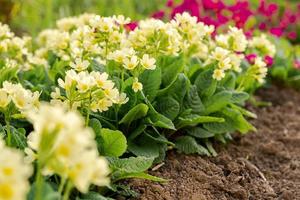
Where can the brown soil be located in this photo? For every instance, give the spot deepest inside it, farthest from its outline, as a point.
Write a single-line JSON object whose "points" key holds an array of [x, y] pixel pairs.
{"points": [[261, 165]]}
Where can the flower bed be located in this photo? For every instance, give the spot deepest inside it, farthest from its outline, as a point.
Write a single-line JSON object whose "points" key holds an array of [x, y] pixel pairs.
{"points": [[92, 102]]}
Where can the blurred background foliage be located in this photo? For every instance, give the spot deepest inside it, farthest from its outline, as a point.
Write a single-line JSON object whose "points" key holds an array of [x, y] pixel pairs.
{"points": [[31, 16]]}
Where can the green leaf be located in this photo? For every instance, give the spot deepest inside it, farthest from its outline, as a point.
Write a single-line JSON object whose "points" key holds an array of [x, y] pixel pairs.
{"points": [[240, 123], [47, 192], [135, 113], [217, 102], [93, 196], [198, 132], [112, 143], [140, 175], [188, 145], [131, 164], [151, 80], [239, 97], [19, 137], [168, 106], [171, 67], [177, 90], [229, 81], [192, 101], [159, 120], [234, 120], [95, 124], [8, 73], [211, 148], [144, 146], [194, 120], [205, 83], [139, 130]]}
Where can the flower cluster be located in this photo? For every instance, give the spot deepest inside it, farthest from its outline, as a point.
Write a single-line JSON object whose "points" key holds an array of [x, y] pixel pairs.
{"points": [[267, 16], [14, 174], [258, 70], [21, 98], [15, 52], [63, 145], [87, 90], [263, 45], [195, 35]]}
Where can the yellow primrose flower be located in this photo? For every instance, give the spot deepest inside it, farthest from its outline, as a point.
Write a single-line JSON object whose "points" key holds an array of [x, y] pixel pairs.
{"points": [[218, 74], [4, 98], [136, 85], [79, 64], [147, 62], [14, 174], [225, 64], [70, 147], [219, 53], [131, 63]]}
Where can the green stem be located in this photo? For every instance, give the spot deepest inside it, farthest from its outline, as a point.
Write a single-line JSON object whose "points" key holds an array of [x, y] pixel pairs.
{"points": [[39, 183], [8, 139], [67, 191], [61, 185]]}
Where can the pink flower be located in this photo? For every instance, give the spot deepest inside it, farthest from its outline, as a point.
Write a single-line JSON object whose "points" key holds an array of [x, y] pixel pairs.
{"points": [[262, 26], [216, 5], [297, 64], [131, 26], [170, 3], [268, 60], [276, 31], [251, 58], [190, 6], [292, 35], [158, 15]]}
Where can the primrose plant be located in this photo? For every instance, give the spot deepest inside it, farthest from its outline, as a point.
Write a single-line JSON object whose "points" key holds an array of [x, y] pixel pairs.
{"points": [[128, 95]]}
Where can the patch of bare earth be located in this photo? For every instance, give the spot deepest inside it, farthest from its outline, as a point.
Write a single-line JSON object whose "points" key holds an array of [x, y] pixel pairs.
{"points": [[261, 165]]}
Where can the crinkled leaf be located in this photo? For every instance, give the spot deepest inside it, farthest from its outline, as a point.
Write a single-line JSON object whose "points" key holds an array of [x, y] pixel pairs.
{"points": [[192, 101], [131, 164], [135, 113], [205, 83], [93, 196], [177, 90], [194, 120], [199, 132], [159, 120], [168, 106], [217, 102], [188, 145], [151, 80], [47, 192], [239, 97], [171, 67], [95, 124], [112, 143], [140, 175]]}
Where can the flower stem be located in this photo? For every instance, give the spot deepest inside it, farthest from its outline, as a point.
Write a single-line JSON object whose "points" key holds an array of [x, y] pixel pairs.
{"points": [[61, 185], [8, 139], [39, 183], [67, 191]]}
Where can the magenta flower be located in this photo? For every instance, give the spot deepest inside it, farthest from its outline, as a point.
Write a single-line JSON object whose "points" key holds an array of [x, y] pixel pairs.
{"points": [[251, 58], [292, 35], [158, 15], [131, 26], [276, 31], [268, 60]]}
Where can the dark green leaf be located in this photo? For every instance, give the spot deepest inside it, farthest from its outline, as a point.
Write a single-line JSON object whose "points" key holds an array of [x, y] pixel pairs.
{"points": [[135, 113], [188, 145], [151, 80], [205, 83], [112, 143]]}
